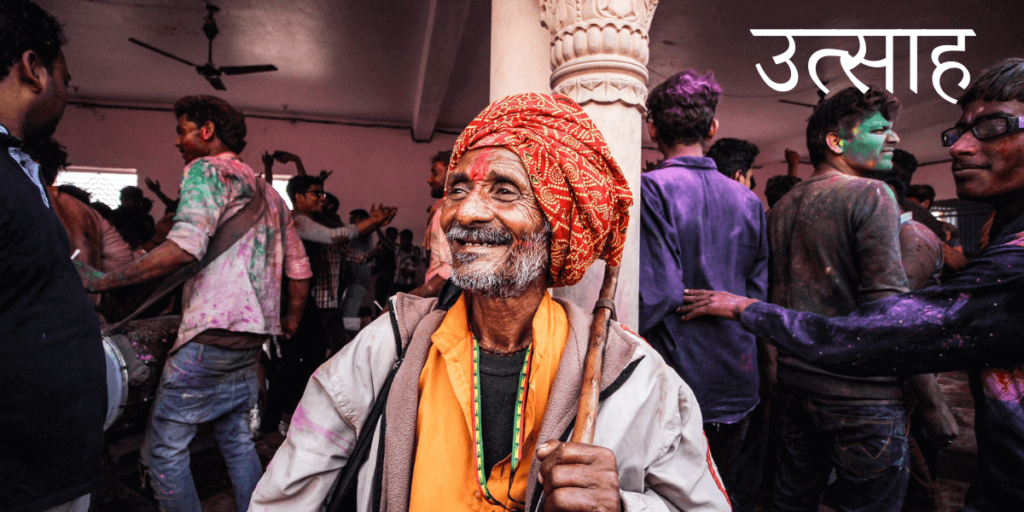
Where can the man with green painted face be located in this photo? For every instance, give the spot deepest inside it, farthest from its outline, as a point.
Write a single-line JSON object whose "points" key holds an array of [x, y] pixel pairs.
{"points": [[834, 241]]}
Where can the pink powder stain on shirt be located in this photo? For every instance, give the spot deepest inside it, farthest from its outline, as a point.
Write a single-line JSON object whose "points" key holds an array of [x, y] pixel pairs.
{"points": [[301, 420], [1018, 240], [746, 363], [241, 291]]}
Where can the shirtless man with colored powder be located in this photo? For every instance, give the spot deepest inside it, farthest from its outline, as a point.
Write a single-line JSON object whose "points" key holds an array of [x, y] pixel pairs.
{"points": [[971, 322]]}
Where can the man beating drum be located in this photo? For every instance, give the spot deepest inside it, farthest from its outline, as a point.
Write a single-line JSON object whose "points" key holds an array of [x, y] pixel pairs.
{"points": [[229, 308]]}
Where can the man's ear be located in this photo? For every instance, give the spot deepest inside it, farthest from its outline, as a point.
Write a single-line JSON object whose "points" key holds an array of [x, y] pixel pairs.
{"points": [[208, 131], [712, 131], [31, 71], [653, 132], [834, 143]]}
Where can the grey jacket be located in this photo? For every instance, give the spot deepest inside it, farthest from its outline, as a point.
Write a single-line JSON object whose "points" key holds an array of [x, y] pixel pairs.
{"points": [[648, 416]]}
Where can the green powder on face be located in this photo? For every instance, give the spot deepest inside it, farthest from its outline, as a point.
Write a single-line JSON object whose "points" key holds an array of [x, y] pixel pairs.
{"points": [[863, 145]]}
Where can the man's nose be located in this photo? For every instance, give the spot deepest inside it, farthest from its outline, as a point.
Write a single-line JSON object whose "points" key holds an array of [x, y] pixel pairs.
{"points": [[964, 146], [893, 138], [474, 208]]}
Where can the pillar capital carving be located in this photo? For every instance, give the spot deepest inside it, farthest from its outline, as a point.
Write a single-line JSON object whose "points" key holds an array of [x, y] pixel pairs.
{"points": [[599, 49]]}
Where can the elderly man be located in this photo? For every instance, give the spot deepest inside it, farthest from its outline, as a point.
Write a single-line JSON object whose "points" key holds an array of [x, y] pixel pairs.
{"points": [[971, 322], [491, 375]]}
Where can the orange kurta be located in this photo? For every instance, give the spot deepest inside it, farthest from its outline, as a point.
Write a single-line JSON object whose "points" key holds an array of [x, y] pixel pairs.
{"points": [[444, 474]]}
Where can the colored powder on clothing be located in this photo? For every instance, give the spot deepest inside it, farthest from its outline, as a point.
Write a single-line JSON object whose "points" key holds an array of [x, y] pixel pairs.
{"points": [[301, 420], [1005, 385]]}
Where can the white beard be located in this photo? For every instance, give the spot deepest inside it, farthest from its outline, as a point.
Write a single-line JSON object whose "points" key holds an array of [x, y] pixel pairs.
{"points": [[524, 264]]}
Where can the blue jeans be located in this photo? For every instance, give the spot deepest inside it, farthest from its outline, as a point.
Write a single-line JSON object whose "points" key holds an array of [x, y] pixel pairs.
{"points": [[203, 384], [865, 441]]}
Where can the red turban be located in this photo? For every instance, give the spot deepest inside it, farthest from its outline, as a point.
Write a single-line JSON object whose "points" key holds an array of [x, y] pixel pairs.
{"points": [[579, 186]]}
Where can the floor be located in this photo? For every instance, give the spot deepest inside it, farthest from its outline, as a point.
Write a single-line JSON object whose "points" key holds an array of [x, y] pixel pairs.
{"points": [[957, 465]]}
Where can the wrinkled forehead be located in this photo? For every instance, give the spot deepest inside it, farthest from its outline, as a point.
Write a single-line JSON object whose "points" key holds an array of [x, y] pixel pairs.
{"points": [[489, 164]]}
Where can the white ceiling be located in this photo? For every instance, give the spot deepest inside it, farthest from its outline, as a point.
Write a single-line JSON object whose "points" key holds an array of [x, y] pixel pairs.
{"points": [[353, 60], [359, 59]]}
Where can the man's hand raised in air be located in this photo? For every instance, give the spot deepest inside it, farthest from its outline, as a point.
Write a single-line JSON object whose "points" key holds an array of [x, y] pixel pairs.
{"points": [[380, 216], [153, 185]]}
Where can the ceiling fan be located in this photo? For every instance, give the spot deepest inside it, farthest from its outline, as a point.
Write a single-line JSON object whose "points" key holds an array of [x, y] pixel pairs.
{"points": [[821, 96], [208, 71]]}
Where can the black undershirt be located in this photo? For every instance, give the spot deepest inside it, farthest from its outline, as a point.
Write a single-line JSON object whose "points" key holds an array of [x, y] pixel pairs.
{"points": [[499, 383]]}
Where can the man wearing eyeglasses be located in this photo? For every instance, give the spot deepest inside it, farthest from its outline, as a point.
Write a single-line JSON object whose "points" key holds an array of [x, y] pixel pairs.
{"points": [[973, 321], [294, 360]]}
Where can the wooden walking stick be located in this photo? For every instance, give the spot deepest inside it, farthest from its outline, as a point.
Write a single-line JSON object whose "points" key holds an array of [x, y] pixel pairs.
{"points": [[590, 391]]}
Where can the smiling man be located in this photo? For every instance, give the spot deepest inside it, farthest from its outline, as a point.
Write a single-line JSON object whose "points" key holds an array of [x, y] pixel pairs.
{"points": [[229, 309], [489, 384], [834, 243], [296, 359], [971, 322]]}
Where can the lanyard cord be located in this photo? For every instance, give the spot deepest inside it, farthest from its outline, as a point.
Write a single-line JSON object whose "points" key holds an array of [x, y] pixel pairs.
{"points": [[518, 426]]}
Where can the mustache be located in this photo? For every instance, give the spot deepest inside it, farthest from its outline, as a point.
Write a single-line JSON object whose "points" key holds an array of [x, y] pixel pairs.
{"points": [[484, 235], [959, 166]]}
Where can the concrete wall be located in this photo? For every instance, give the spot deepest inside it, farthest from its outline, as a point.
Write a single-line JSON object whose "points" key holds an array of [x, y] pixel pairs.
{"points": [[371, 165]]}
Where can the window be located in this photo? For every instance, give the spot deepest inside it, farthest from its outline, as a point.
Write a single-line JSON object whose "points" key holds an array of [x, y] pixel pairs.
{"points": [[969, 219], [103, 183], [279, 185]]}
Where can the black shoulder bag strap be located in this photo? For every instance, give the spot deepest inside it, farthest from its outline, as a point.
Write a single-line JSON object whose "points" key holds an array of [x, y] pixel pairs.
{"points": [[349, 475], [347, 479], [226, 235]]}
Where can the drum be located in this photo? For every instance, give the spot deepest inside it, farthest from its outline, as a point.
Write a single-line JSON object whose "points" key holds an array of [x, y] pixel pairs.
{"points": [[117, 382], [135, 359]]}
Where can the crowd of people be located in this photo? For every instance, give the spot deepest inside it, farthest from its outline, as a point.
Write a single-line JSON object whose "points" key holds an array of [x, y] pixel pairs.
{"points": [[783, 359]]}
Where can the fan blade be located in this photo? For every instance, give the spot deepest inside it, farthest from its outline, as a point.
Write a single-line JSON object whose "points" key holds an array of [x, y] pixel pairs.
{"points": [[161, 52], [215, 81], [245, 70]]}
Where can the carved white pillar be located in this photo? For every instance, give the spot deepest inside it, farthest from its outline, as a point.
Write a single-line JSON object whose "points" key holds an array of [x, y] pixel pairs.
{"points": [[519, 49], [599, 53]]}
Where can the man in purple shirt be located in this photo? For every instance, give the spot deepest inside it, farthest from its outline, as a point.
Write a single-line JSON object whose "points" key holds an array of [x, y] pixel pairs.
{"points": [[699, 226]]}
